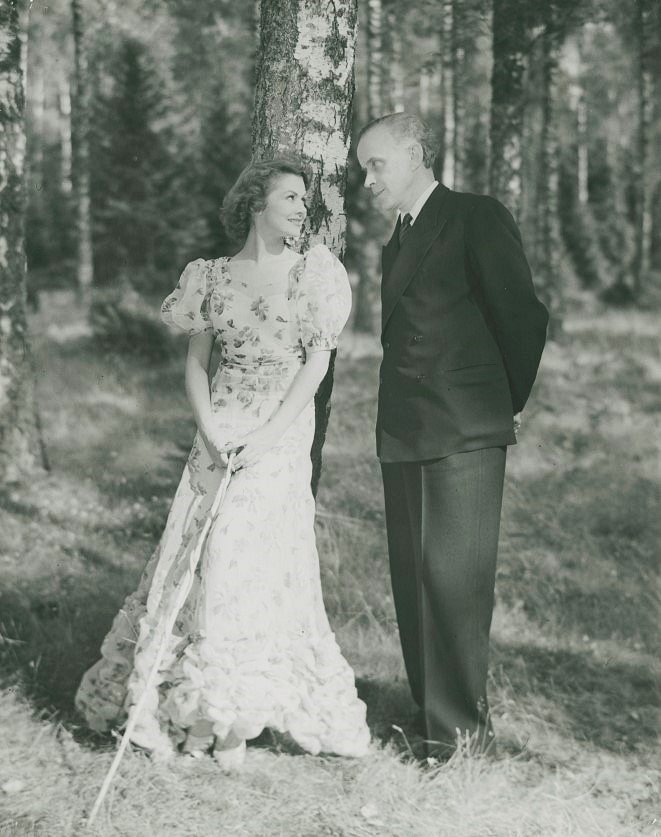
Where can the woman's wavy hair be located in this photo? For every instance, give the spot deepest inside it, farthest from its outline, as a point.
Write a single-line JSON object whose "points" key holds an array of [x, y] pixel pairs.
{"points": [[248, 194]]}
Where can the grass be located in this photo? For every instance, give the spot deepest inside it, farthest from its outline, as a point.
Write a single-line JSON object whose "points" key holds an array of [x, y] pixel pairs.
{"points": [[573, 680]]}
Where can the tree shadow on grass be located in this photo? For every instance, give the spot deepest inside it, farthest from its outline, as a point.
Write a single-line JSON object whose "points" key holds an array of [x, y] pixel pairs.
{"points": [[612, 705], [50, 637], [392, 714]]}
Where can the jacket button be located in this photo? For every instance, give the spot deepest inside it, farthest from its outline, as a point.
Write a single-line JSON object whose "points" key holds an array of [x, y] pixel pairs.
{"points": [[417, 338], [386, 345], [420, 378]]}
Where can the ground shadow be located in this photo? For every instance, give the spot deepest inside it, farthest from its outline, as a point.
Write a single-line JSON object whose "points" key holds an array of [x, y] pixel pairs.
{"points": [[392, 715], [613, 706], [50, 637]]}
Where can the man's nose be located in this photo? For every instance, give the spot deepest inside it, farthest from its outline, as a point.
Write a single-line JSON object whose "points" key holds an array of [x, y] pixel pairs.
{"points": [[369, 180]]}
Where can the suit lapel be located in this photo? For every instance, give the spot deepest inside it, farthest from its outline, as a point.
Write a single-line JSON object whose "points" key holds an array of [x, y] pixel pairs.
{"points": [[389, 252], [401, 265]]}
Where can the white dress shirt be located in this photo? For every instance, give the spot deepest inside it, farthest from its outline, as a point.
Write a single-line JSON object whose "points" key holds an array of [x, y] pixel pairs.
{"points": [[414, 211]]}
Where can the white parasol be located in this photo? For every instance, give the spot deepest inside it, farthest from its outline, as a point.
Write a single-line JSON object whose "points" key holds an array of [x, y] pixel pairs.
{"points": [[183, 591]]}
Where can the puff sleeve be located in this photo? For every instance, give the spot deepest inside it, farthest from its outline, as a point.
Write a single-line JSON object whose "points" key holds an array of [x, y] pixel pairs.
{"points": [[323, 299], [187, 307]]}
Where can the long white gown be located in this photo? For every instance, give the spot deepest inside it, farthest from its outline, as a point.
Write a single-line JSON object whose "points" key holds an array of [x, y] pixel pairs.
{"points": [[252, 647]]}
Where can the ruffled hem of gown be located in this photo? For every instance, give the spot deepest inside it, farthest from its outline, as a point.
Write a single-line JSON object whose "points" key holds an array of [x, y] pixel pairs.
{"points": [[304, 688]]}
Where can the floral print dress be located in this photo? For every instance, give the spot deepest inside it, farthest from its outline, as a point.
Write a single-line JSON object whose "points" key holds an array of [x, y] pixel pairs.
{"points": [[251, 647]]}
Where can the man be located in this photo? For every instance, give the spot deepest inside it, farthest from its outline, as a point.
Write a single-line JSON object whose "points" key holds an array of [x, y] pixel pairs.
{"points": [[462, 336]]}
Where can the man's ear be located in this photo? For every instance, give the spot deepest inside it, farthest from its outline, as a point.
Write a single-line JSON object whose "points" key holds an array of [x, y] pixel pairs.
{"points": [[416, 155]]}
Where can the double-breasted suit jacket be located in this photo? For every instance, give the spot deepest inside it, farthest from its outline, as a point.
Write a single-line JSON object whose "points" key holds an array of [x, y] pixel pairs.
{"points": [[462, 331]]}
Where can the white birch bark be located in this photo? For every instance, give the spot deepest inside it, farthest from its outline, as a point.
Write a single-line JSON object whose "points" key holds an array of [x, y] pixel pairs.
{"points": [[303, 104], [304, 98]]}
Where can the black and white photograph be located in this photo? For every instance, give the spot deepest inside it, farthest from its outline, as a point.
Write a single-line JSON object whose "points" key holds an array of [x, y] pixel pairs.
{"points": [[330, 392]]}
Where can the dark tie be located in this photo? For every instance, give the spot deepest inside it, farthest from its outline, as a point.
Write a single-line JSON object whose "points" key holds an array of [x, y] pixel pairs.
{"points": [[405, 227]]}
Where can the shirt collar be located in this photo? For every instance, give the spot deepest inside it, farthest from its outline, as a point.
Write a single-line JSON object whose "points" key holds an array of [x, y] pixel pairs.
{"points": [[414, 211]]}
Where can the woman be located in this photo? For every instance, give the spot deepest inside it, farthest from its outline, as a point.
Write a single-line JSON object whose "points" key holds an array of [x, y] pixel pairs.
{"points": [[252, 647]]}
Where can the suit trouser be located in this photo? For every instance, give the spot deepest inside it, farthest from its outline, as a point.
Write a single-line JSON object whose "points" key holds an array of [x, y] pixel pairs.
{"points": [[443, 519]]}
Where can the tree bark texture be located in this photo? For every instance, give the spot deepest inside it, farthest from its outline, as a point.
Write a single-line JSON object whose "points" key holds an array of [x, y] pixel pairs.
{"points": [[303, 103], [80, 119], [19, 437], [507, 101]]}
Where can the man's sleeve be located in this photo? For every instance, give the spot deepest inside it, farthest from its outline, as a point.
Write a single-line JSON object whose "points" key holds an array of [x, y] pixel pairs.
{"points": [[515, 315]]}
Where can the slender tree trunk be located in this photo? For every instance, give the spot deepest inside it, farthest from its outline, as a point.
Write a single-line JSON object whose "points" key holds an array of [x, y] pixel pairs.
{"points": [[64, 121], [365, 257], [19, 437], [424, 92], [614, 161], [643, 219], [447, 61], [507, 101], [397, 104], [374, 59], [583, 151], [81, 158], [581, 105], [37, 104], [460, 35], [547, 219], [303, 102]]}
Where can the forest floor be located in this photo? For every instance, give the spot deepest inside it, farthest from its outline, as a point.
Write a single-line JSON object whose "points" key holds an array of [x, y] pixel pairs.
{"points": [[572, 683]]}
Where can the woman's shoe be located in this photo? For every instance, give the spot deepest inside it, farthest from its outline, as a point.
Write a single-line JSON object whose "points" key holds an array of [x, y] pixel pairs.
{"points": [[197, 745], [230, 758]]}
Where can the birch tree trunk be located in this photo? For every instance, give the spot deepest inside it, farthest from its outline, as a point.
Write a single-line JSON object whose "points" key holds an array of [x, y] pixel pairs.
{"points": [[507, 101], [80, 113], [19, 437], [303, 103]]}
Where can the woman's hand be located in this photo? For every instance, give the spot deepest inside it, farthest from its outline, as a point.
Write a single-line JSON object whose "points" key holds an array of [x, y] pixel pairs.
{"points": [[216, 447], [252, 447]]}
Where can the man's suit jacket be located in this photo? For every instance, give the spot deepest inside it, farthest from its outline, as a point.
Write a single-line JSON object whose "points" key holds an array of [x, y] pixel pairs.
{"points": [[462, 330]]}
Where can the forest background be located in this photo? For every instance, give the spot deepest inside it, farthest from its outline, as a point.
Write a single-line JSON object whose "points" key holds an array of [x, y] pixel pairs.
{"points": [[138, 119]]}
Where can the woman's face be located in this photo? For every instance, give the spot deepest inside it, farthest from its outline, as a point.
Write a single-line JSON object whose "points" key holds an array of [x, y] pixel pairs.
{"points": [[285, 210]]}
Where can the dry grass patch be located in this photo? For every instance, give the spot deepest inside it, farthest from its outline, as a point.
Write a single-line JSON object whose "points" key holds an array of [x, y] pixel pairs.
{"points": [[573, 688]]}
